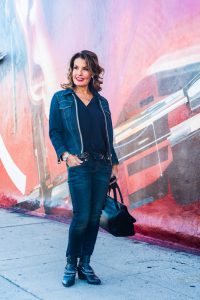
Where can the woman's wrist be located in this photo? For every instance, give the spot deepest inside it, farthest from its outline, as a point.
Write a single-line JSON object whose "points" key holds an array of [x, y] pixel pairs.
{"points": [[65, 156]]}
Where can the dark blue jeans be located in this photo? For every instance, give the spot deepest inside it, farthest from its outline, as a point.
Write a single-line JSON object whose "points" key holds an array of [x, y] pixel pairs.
{"points": [[88, 185]]}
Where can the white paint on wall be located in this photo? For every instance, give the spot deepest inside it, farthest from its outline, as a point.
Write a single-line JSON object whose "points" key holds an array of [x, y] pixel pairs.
{"points": [[15, 174]]}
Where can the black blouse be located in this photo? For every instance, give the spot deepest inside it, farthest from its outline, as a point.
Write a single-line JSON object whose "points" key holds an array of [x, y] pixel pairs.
{"points": [[92, 125]]}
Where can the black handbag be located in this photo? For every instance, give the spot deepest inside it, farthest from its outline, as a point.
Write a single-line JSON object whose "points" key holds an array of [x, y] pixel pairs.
{"points": [[115, 217]]}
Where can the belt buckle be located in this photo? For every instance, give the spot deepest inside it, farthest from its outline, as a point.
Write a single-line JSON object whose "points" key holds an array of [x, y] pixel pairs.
{"points": [[101, 156]]}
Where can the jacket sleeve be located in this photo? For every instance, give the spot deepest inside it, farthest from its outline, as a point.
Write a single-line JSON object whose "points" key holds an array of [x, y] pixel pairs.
{"points": [[56, 128], [114, 157]]}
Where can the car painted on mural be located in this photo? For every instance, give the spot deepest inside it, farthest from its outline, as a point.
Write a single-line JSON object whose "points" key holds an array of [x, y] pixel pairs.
{"points": [[157, 146]]}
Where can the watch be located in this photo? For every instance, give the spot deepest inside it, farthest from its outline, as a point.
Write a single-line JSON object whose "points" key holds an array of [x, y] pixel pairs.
{"points": [[65, 156]]}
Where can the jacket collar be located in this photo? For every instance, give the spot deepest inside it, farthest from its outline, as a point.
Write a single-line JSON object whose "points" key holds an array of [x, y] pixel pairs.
{"points": [[67, 92], [70, 91]]}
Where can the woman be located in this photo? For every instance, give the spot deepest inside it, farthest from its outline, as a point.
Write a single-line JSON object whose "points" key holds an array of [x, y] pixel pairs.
{"points": [[81, 132]]}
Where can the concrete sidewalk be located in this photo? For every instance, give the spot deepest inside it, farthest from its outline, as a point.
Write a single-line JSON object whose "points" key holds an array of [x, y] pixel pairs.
{"points": [[32, 260]]}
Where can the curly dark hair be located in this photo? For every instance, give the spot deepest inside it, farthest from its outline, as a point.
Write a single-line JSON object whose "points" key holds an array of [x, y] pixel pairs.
{"points": [[93, 66]]}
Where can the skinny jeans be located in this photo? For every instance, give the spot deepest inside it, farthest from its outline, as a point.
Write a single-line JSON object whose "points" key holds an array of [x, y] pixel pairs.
{"points": [[88, 185]]}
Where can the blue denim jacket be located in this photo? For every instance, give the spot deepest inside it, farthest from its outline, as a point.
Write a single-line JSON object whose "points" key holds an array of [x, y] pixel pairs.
{"points": [[64, 127]]}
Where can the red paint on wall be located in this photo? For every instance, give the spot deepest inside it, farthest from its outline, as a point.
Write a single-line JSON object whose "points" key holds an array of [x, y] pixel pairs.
{"points": [[150, 52]]}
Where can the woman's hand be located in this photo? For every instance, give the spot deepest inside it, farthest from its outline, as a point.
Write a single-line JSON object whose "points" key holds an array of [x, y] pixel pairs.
{"points": [[73, 161], [115, 171]]}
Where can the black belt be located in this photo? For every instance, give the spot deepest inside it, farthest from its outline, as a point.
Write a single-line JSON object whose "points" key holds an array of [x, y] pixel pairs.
{"points": [[86, 156]]}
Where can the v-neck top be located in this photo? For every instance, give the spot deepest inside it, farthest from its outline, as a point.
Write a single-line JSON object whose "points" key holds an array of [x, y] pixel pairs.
{"points": [[92, 126]]}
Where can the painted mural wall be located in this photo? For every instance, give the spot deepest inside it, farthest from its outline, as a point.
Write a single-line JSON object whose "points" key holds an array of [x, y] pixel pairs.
{"points": [[150, 50]]}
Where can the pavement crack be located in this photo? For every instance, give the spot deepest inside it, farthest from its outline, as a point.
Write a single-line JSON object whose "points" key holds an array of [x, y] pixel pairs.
{"points": [[21, 288], [25, 256], [10, 226]]}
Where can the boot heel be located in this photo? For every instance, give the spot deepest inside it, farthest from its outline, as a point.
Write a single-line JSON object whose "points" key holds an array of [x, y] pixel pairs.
{"points": [[86, 272], [81, 275]]}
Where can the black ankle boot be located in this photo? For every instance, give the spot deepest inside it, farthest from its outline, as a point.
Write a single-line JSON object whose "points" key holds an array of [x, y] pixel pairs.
{"points": [[86, 272], [70, 271]]}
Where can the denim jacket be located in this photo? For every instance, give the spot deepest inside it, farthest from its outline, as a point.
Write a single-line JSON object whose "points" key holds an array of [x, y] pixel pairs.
{"points": [[64, 127]]}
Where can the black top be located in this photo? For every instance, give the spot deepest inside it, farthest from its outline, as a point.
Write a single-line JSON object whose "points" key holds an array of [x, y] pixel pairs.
{"points": [[92, 125]]}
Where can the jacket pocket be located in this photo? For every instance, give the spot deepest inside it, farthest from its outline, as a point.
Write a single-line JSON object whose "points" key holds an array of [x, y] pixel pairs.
{"points": [[65, 108]]}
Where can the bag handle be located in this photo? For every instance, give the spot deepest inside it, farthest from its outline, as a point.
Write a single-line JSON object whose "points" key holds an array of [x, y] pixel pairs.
{"points": [[115, 187]]}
